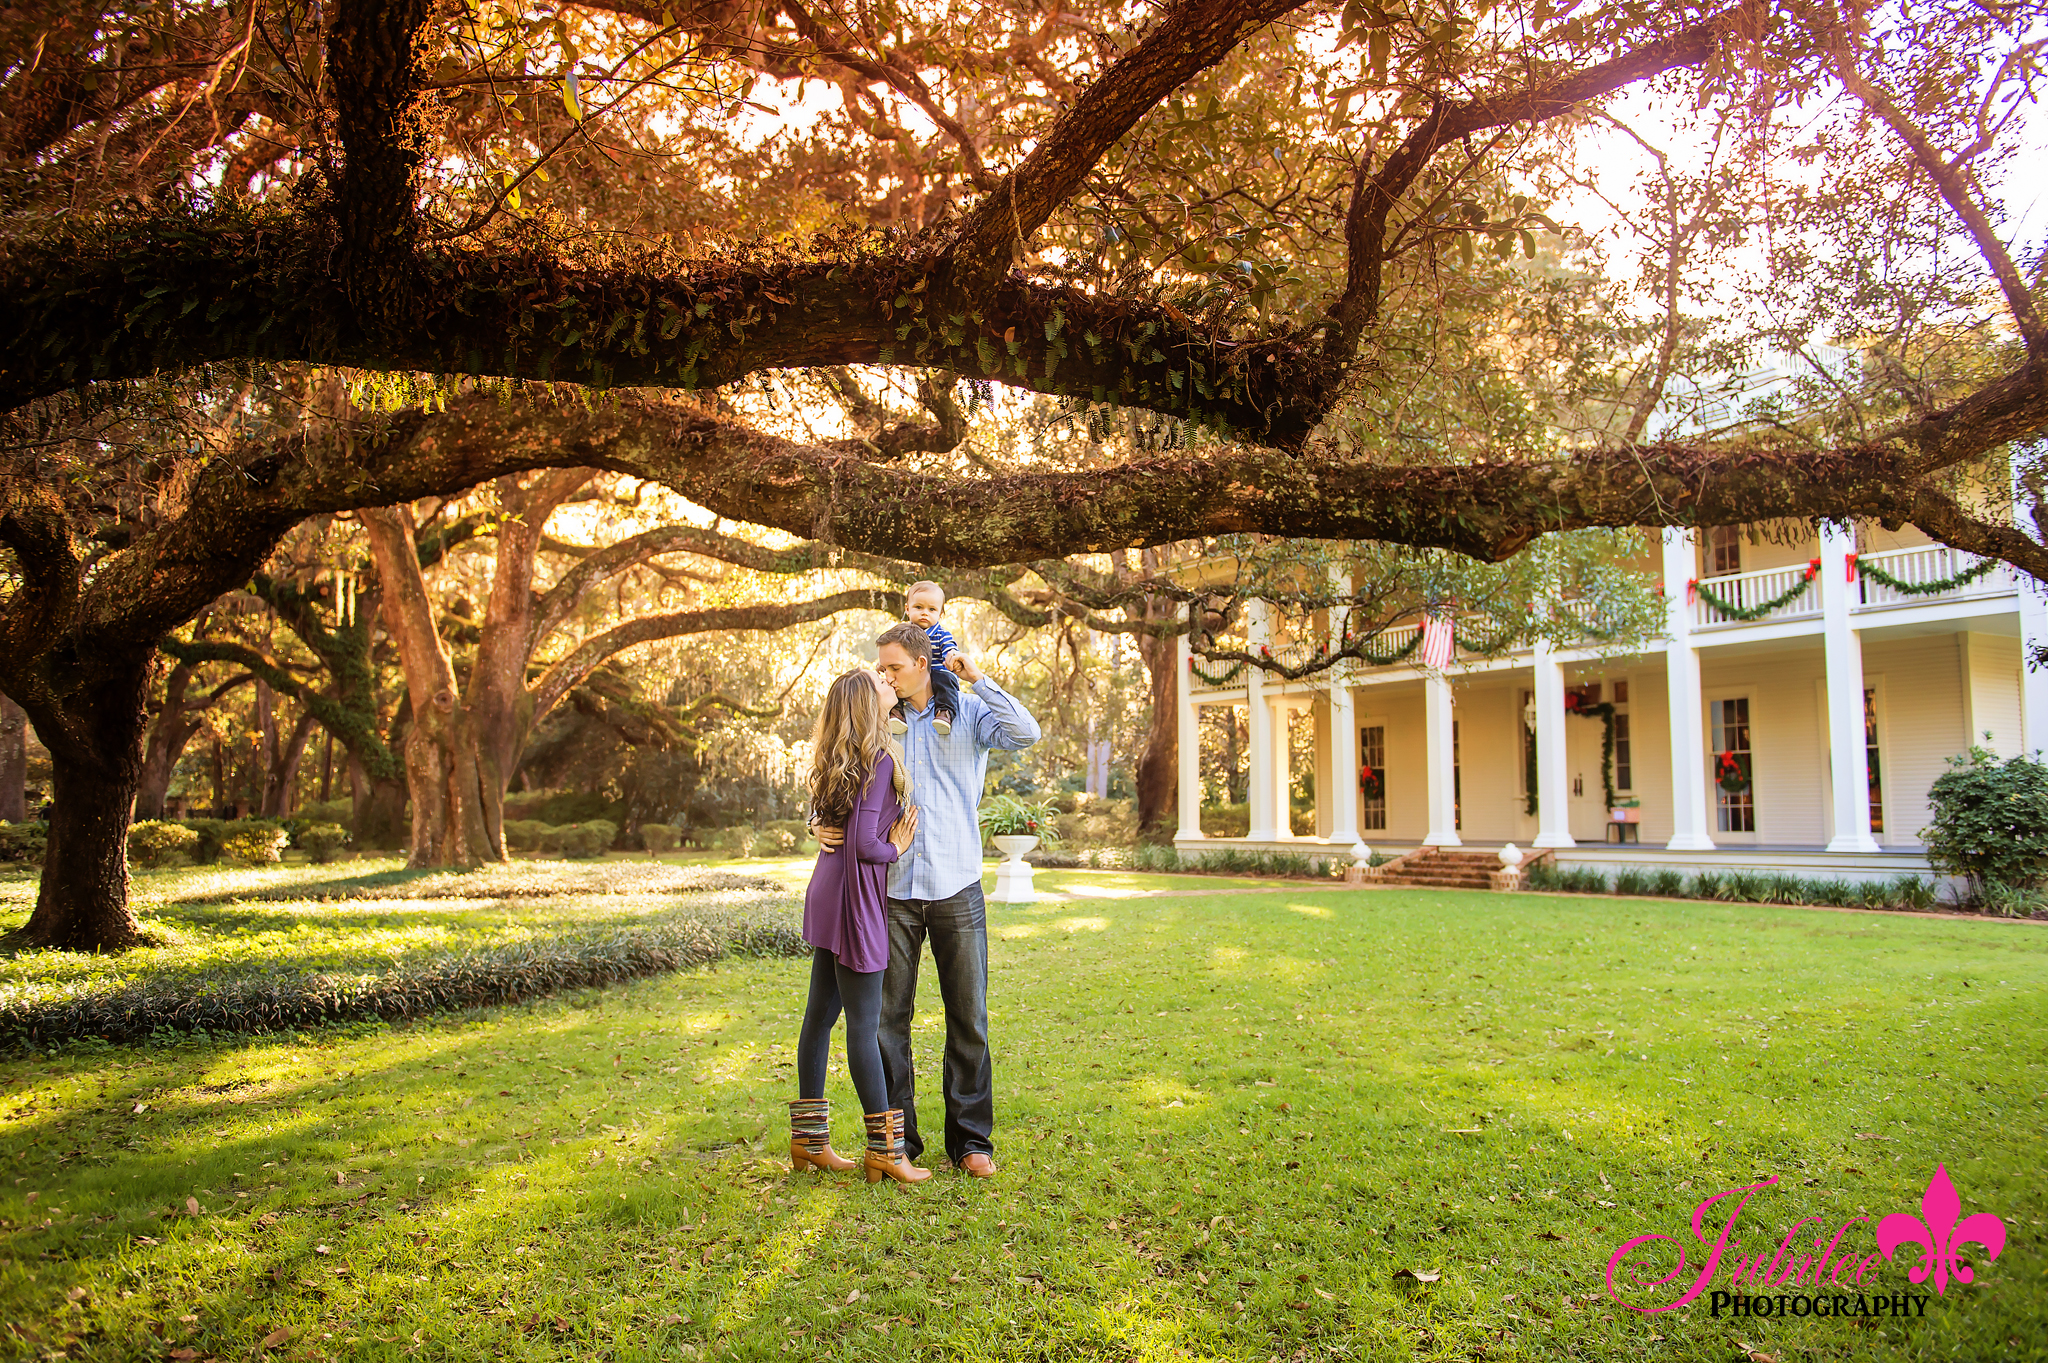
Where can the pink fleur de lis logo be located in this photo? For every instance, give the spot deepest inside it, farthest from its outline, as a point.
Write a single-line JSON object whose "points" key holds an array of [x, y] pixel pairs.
{"points": [[1936, 1231]]}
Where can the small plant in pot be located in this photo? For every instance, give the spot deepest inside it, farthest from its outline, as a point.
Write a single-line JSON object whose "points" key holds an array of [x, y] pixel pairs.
{"points": [[1015, 825]]}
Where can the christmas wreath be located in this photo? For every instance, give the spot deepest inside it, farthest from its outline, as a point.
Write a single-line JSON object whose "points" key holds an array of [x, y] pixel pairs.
{"points": [[1372, 783], [1731, 773]]}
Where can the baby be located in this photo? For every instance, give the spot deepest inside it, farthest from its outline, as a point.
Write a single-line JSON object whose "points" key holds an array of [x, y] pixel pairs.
{"points": [[923, 603]]}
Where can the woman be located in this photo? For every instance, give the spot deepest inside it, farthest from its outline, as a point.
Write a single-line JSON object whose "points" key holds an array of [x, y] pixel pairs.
{"points": [[857, 782]]}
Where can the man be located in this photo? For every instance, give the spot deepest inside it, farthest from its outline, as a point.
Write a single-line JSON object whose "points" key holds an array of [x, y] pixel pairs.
{"points": [[935, 892]]}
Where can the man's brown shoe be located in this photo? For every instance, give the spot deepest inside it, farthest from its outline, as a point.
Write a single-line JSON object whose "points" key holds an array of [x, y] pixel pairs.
{"points": [[979, 1164]]}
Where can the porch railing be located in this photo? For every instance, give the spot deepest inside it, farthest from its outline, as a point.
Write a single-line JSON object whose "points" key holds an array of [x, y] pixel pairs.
{"points": [[1748, 591], [1924, 564]]}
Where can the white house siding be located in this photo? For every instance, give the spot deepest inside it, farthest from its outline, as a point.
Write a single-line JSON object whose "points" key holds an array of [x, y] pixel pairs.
{"points": [[1921, 719], [1489, 715], [1786, 727], [1992, 668], [1399, 708]]}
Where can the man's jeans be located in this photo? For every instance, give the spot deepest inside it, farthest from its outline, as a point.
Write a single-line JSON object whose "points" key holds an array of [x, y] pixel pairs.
{"points": [[957, 927]]}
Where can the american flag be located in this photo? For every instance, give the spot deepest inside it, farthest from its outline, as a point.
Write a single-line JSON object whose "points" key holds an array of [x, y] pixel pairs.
{"points": [[1438, 647]]}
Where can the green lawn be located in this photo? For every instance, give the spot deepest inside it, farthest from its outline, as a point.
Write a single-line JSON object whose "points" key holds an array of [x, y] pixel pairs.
{"points": [[1226, 1120]]}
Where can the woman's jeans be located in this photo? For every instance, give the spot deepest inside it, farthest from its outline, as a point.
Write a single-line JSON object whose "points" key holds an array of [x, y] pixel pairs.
{"points": [[833, 986]]}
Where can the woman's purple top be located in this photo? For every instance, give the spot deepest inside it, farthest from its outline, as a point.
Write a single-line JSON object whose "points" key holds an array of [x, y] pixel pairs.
{"points": [[846, 907]]}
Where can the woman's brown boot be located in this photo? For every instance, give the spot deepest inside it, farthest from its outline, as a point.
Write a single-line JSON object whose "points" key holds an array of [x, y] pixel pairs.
{"points": [[884, 1158], [810, 1137]]}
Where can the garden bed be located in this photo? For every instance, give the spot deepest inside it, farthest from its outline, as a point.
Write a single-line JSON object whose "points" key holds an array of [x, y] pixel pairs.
{"points": [[276, 949]]}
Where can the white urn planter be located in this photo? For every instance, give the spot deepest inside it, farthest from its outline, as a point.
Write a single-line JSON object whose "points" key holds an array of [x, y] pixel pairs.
{"points": [[1013, 873]]}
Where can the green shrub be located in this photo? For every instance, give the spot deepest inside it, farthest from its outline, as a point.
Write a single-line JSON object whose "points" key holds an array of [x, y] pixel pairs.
{"points": [[323, 841], [251, 843], [1840, 894], [25, 842], [342, 811], [2012, 901], [1991, 823], [1544, 875], [1631, 880], [660, 837], [159, 842], [559, 807], [783, 837], [525, 835], [1226, 821], [226, 1002], [212, 832], [1911, 892], [592, 838], [1667, 882]]}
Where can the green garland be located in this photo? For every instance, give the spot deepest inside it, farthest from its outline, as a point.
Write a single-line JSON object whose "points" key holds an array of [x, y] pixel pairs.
{"points": [[1762, 609], [1529, 770], [1936, 588], [1396, 656], [1471, 645], [1605, 712], [1230, 674]]}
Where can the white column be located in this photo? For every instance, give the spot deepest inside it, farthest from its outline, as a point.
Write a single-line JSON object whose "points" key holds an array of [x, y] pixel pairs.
{"points": [[1283, 765], [1343, 792], [1188, 743], [1847, 739], [1259, 724], [2033, 680], [1553, 785], [2033, 626], [1441, 755], [1682, 692]]}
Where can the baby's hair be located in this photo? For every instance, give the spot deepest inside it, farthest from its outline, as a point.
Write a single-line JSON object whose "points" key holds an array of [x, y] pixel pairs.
{"points": [[914, 588]]}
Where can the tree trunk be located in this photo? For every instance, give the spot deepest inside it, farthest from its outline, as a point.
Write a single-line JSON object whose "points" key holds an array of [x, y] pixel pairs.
{"points": [[265, 765], [282, 782], [1158, 763], [172, 729], [457, 815], [95, 744], [377, 809], [13, 761]]}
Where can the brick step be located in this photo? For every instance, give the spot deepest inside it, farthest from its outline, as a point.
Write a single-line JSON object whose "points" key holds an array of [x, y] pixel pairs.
{"points": [[1444, 879]]}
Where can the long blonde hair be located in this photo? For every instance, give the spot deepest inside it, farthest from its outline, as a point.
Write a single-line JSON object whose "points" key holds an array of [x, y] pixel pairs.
{"points": [[851, 735]]}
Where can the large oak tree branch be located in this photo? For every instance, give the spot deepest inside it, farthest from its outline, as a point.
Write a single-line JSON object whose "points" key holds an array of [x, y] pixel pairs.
{"points": [[570, 670], [1374, 196], [1190, 37]]}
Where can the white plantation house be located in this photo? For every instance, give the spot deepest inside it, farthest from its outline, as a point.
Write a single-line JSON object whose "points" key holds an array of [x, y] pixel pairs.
{"points": [[1801, 703]]}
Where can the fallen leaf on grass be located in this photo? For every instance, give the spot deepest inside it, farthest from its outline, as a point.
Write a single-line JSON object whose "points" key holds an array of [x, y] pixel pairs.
{"points": [[1420, 1275], [192, 1206], [275, 1337], [1548, 1235]]}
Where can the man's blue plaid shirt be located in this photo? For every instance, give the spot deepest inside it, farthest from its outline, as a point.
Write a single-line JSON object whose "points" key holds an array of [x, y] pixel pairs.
{"points": [[946, 775]]}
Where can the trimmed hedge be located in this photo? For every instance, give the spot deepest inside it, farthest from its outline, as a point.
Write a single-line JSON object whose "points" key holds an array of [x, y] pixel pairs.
{"points": [[216, 1002], [1234, 861], [1745, 887]]}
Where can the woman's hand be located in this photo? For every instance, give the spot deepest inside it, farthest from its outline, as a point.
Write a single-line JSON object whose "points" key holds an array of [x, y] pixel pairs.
{"points": [[905, 830]]}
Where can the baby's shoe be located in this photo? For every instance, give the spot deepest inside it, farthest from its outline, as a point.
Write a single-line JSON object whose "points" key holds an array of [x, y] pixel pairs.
{"points": [[896, 724], [942, 723]]}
